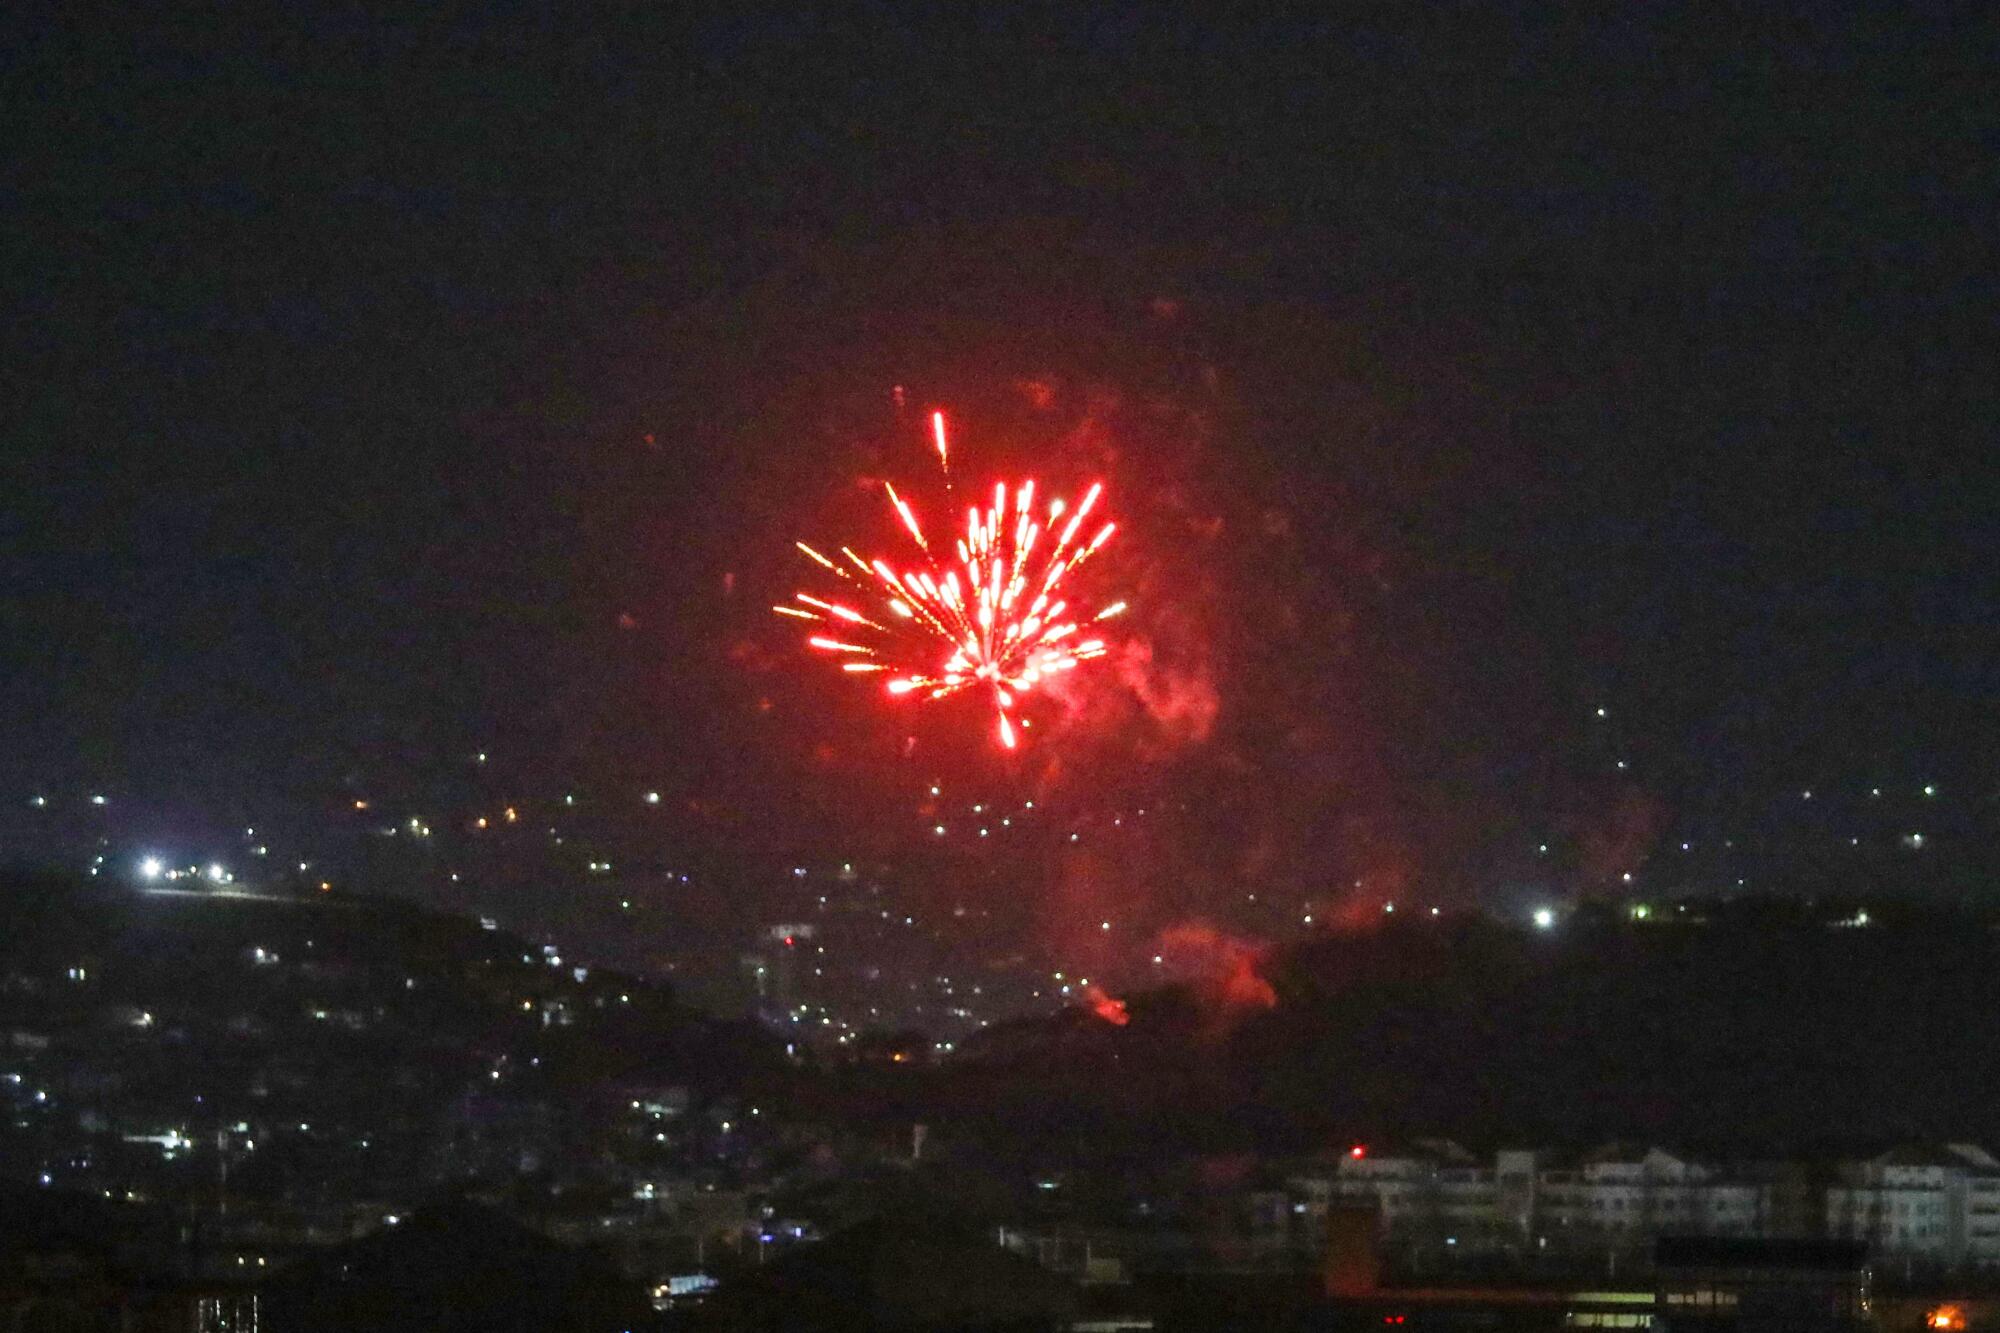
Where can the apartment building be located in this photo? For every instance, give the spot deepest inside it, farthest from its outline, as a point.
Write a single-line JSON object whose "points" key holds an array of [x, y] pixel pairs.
{"points": [[1938, 1204], [1934, 1204]]}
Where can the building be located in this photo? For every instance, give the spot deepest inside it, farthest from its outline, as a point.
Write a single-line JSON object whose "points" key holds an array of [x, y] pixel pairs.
{"points": [[1436, 1197], [1921, 1203], [1430, 1194], [1622, 1195]]}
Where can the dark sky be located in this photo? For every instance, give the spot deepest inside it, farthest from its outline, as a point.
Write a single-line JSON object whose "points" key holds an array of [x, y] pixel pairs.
{"points": [[1460, 371]]}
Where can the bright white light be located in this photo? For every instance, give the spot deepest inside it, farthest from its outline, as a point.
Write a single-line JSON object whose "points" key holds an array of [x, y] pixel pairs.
{"points": [[150, 868], [1545, 918], [216, 872]]}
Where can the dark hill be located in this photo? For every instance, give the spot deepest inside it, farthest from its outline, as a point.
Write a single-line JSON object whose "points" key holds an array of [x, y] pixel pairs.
{"points": [[1747, 1031]]}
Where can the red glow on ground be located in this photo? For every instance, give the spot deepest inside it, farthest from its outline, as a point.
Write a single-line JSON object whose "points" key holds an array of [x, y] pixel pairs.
{"points": [[1109, 1008]]}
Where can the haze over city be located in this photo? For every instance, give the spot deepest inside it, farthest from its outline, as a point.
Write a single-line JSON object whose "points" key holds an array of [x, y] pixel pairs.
{"points": [[1481, 542]]}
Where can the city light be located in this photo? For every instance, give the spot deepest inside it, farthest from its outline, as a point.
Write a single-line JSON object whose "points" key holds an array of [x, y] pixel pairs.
{"points": [[1545, 918], [150, 868]]}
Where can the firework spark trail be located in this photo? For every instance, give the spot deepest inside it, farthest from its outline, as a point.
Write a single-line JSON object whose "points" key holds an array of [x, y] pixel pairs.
{"points": [[994, 614]]}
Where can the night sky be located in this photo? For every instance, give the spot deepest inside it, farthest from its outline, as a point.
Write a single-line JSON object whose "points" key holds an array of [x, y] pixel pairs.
{"points": [[380, 393]]}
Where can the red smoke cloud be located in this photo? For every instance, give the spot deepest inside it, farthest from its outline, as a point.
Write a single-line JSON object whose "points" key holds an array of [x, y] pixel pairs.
{"points": [[1226, 966], [1183, 703]]}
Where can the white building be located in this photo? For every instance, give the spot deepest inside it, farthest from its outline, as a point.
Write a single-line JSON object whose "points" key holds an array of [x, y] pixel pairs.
{"points": [[1933, 1204], [1435, 1193], [1938, 1204], [1432, 1192], [1620, 1194]]}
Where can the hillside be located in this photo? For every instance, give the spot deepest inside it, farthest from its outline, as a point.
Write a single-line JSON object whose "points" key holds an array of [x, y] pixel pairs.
{"points": [[1753, 1031]]}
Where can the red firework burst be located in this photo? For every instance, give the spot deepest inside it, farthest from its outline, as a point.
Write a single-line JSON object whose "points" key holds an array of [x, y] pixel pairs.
{"points": [[998, 617]]}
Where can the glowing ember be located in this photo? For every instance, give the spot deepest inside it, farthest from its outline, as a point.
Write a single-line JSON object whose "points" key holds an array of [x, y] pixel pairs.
{"points": [[997, 617]]}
